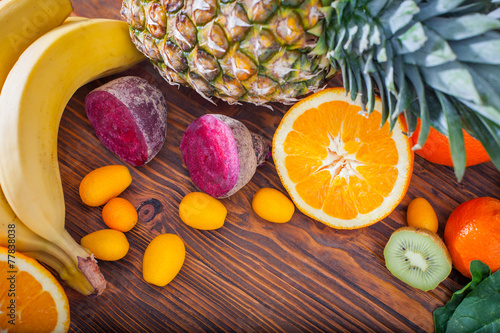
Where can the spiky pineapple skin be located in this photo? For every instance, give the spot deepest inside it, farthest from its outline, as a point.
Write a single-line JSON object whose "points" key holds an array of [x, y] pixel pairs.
{"points": [[256, 51], [436, 60]]}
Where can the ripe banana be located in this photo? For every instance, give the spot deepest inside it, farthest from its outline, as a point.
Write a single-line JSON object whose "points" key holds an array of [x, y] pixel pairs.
{"points": [[24, 21], [15, 235], [31, 105]]}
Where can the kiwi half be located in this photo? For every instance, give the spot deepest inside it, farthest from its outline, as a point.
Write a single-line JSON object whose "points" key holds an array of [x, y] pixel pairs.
{"points": [[417, 257]]}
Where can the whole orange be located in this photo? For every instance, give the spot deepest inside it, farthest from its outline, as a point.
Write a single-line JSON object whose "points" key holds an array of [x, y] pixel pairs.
{"points": [[437, 148], [472, 232]]}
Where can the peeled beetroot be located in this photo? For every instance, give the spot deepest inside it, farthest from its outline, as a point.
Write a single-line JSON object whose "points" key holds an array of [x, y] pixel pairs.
{"points": [[129, 117], [221, 154]]}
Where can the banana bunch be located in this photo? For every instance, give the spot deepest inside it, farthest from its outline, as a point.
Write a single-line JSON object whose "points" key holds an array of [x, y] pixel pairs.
{"points": [[44, 76], [33, 245], [24, 21]]}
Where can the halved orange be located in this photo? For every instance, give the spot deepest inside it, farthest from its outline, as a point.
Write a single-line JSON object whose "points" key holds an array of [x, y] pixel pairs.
{"points": [[339, 165], [31, 299]]}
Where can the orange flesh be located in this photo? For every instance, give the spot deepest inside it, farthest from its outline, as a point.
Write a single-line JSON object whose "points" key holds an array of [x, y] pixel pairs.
{"points": [[35, 309], [341, 163]]}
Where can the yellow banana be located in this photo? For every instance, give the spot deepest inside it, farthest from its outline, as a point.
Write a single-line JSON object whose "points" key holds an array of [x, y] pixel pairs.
{"points": [[24, 21], [72, 19], [31, 105], [15, 235]]}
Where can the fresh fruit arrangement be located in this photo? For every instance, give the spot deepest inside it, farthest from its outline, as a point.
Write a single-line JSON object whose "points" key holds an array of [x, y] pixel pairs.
{"points": [[421, 56], [165, 254], [32, 100], [343, 155]]}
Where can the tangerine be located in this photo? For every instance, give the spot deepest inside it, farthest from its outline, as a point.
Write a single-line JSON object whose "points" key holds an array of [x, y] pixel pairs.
{"points": [[472, 232], [437, 148]]}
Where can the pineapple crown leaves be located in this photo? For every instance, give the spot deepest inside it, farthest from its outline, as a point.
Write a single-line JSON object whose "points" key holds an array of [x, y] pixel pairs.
{"points": [[437, 60]]}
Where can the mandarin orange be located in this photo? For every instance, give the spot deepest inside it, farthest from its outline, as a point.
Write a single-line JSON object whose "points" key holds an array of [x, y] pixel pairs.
{"points": [[472, 232], [437, 148]]}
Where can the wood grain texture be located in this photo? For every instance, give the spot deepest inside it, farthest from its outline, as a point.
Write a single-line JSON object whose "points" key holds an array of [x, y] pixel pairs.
{"points": [[250, 275]]}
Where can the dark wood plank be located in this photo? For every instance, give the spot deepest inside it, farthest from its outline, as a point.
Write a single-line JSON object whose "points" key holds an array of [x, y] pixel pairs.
{"points": [[250, 275]]}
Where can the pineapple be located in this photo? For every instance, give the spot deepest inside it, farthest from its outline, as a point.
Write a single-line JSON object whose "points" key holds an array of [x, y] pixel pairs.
{"points": [[254, 51], [437, 60]]}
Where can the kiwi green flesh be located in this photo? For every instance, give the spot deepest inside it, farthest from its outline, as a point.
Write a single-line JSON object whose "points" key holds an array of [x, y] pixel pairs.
{"points": [[418, 258]]}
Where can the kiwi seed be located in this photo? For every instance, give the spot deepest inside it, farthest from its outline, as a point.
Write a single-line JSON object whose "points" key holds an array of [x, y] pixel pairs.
{"points": [[417, 257]]}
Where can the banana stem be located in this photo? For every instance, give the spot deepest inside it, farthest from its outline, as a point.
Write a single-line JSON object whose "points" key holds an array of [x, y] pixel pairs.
{"points": [[86, 263], [74, 249], [56, 252], [70, 274]]}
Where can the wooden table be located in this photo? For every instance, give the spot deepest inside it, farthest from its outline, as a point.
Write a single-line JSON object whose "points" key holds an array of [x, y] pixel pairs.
{"points": [[250, 275]]}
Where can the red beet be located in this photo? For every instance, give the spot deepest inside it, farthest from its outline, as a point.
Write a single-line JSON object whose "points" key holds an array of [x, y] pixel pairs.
{"points": [[221, 154], [129, 117]]}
